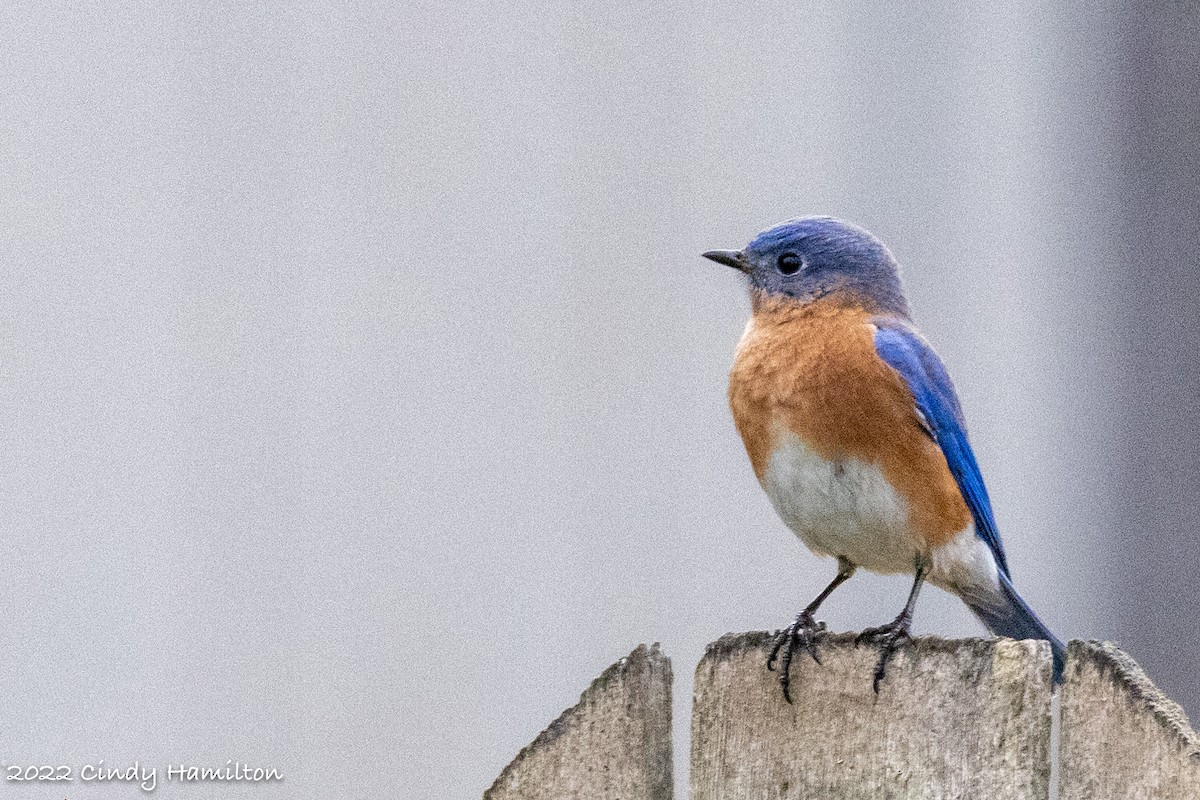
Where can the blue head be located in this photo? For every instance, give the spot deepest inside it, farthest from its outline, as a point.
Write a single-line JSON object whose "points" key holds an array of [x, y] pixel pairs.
{"points": [[814, 257]]}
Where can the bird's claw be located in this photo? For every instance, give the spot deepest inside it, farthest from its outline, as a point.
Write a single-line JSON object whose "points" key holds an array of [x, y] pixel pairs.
{"points": [[800, 635], [889, 638]]}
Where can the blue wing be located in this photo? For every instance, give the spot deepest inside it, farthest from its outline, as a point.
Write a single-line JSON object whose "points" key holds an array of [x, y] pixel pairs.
{"points": [[910, 355]]}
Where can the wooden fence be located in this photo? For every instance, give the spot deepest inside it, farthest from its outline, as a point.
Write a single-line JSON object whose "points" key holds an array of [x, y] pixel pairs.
{"points": [[954, 719]]}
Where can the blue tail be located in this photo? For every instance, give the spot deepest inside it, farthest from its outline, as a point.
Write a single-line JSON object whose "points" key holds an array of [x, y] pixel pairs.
{"points": [[1009, 615]]}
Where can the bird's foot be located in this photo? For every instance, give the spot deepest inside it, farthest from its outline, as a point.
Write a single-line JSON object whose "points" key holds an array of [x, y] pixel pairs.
{"points": [[888, 638], [800, 635]]}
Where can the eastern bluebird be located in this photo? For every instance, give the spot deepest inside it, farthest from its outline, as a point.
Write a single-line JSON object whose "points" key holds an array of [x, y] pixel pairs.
{"points": [[856, 434]]}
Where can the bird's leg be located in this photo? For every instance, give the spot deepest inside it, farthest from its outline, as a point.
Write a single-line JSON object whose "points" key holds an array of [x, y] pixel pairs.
{"points": [[802, 634], [889, 636]]}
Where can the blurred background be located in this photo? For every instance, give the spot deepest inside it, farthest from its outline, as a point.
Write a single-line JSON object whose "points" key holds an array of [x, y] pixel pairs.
{"points": [[364, 392]]}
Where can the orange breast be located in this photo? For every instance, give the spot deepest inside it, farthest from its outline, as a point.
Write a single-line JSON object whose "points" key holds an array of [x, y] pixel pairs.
{"points": [[812, 369]]}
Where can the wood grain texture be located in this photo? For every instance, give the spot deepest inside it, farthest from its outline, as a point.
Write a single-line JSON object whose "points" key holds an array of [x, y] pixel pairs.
{"points": [[1121, 737], [953, 719], [614, 743]]}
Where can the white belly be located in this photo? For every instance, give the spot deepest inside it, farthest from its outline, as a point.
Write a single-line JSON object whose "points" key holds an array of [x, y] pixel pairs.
{"points": [[849, 509], [844, 508]]}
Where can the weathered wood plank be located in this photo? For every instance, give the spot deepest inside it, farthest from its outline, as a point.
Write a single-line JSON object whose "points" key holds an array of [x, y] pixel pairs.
{"points": [[1120, 736], [953, 719], [615, 743]]}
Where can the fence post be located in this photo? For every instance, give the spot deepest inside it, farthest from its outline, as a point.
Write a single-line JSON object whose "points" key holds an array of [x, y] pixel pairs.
{"points": [[614, 744], [1121, 737], [953, 719]]}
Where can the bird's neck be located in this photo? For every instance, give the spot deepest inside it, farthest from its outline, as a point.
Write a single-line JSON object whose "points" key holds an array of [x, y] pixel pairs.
{"points": [[843, 297]]}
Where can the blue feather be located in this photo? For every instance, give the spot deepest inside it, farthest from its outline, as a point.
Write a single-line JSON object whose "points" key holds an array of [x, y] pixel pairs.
{"points": [[906, 352]]}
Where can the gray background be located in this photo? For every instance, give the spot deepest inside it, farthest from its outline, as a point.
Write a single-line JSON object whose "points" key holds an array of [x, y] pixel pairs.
{"points": [[363, 392]]}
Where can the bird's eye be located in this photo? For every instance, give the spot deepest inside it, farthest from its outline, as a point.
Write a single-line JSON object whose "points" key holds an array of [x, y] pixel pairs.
{"points": [[789, 263]]}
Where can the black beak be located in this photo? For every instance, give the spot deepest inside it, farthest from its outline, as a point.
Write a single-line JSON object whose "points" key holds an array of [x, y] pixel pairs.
{"points": [[730, 258]]}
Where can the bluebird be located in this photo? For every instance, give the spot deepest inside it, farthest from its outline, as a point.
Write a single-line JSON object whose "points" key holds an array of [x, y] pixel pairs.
{"points": [[856, 434]]}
